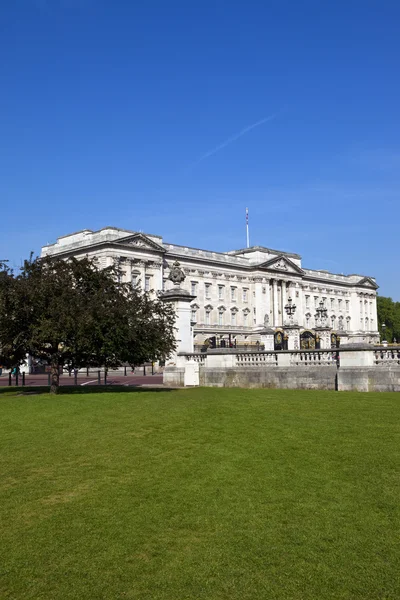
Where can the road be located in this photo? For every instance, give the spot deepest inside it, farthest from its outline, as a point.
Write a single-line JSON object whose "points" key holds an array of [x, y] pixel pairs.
{"points": [[83, 379]]}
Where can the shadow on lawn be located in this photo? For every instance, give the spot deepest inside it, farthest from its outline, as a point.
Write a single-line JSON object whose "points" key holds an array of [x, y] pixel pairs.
{"points": [[85, 390]]}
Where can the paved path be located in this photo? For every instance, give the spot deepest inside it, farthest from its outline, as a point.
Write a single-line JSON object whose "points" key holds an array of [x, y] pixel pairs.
{"points": [[112, 379]]}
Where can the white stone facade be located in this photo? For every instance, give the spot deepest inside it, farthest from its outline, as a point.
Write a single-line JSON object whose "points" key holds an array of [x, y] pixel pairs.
{"points": [[238, 293]]}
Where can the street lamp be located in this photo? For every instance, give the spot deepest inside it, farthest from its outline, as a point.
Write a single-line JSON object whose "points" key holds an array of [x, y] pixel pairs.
{"points": [[290, 309], [384, 332], [322, 313]]}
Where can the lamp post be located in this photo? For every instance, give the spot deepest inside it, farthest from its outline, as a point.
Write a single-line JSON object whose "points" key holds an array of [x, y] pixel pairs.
{"points": [[384, 332], [290, 309]]}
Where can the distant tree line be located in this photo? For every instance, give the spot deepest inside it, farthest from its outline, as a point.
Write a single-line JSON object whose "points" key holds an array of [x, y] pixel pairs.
{"points": [[70, 313], [389, 313]]}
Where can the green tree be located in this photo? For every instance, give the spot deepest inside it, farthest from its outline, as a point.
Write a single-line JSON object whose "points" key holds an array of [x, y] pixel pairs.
{"points": [[71, 313], [389, 313]]}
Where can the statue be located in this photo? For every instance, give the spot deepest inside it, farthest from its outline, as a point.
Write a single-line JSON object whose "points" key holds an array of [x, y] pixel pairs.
{"points": [[176, 274]]}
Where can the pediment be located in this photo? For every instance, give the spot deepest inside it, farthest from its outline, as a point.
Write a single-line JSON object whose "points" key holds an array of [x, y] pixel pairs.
{"points": [[368, 282], [282, 264], [140, 241]]}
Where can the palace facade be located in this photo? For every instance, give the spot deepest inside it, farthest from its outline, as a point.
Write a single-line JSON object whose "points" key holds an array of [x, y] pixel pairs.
{"points": [[240, 293]]}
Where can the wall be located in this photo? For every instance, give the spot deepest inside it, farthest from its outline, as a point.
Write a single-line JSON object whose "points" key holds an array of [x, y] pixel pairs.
{"points": [[369, 379], [306, 378]]}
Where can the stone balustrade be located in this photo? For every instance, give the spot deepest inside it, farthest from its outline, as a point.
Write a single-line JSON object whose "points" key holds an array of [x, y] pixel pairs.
{"points": [[387, 357], [257, 359], [367, 368], [316, 358]]}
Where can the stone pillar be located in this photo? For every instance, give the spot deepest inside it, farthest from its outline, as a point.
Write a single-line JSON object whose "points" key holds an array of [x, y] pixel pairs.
{"points": [[267, 339], [324, 334], [181, 300], [293, 333]]}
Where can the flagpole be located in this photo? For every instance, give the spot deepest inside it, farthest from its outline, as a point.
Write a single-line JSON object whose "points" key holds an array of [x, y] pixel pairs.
{"points": [[247, 227]]}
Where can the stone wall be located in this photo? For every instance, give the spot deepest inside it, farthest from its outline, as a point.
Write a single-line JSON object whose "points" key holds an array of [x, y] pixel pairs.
{"points": [[305, 378], [369, 379]]}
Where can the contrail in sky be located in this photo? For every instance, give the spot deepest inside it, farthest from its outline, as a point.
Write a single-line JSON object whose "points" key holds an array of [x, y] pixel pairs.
{"points": [[233, 138]]}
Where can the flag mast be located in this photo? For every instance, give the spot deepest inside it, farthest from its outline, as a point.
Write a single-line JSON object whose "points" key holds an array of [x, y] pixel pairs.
{"points": [[247, 227]]}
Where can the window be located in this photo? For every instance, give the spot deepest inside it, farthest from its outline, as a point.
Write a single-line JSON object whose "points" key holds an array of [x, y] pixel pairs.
{"points": [[339, 304], [333, 319], [245, 294], [347, 306], [220, 318], [340, 323], [147, 280], [307, 301], [245, 319], [135, 279], [220, 292], [233, 318], [193, 288], [207, 317], [316, 301], [233, 294], [208, 291], [332, 303], [193, 315], [307, 320], [348, 323]]}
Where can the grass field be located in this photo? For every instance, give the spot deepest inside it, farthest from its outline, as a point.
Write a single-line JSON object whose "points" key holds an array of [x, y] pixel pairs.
{"points": [[200, 494]]}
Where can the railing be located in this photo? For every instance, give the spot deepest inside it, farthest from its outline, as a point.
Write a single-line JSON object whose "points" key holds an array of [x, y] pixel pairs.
{"points": [[317, 358], [257, 359], [346, 357], [200, 358], [387, 357]]}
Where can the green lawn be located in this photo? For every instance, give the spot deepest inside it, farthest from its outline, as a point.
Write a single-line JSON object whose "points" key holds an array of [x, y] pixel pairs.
{"points": [[200, 494]]}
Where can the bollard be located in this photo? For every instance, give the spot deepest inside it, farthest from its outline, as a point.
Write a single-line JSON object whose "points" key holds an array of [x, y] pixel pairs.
{"points": [[9, 378], [23, 378], [152, 368], [144, 369], [125, 371], [87, 371], [49, 379], [16, 377], [98, 378], [105, 376], [75, 377]]}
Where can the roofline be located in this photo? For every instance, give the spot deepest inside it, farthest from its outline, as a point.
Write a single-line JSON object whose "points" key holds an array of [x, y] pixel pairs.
{"points": [[129, 231], [255, 248]]}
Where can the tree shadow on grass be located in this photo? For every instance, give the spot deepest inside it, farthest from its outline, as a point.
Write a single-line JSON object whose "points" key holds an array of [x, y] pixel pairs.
{"points": [[82, 390]]}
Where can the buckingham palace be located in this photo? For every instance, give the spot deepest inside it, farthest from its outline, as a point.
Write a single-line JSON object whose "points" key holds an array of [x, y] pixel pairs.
{"points": [[239, 294]]}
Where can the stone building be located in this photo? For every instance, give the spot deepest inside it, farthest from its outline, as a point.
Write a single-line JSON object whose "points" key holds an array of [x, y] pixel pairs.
{"points": [[238, 294]]}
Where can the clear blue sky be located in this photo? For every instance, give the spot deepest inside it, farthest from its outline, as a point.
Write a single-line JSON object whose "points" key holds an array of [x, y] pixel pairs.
{"points": [[124, 113]]}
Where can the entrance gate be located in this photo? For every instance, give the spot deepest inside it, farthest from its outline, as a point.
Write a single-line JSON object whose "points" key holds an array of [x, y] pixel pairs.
{"points": [[309, 341], [280, 341]]}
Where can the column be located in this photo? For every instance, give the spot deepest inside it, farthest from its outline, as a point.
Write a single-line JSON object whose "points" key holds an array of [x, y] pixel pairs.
{"points": [[276, 303], [259, 304], [299, 314], [284, 299]]}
